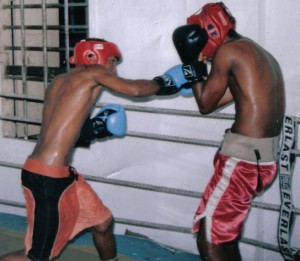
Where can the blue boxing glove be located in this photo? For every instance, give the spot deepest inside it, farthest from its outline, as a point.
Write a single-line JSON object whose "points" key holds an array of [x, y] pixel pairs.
{"points": [[109, 121], [171, 81]]}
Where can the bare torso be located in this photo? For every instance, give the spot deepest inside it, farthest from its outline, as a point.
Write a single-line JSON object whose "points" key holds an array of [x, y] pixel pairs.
{"points": [[255, 85], [68, 102], [258, 90]]}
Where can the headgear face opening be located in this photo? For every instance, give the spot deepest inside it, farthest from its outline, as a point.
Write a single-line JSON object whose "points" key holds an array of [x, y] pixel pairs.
{"points": [[94, 52], [216, 19]]}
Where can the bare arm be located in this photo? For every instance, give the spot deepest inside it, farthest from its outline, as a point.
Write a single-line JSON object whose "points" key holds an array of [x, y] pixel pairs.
{"points": [[127, 87], [214, 93]]}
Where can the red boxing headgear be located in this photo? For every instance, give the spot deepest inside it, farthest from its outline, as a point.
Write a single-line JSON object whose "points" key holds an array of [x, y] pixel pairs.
{"points": [[216, 19], [89, 52]]}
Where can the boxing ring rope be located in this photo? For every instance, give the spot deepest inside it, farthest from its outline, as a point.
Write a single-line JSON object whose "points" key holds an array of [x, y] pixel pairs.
{"points": [[147, 109], [136, 185], [135, 134], [158, 226], [154, 188]]}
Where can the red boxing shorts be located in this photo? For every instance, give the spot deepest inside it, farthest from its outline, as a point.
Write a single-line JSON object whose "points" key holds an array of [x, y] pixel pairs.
{"points": [[236, 180], [59, 204]]}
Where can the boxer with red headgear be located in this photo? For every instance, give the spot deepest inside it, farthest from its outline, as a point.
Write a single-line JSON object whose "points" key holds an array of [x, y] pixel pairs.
{"points": [[60, 203], [244, 73], [216, 19], [94, 51]]}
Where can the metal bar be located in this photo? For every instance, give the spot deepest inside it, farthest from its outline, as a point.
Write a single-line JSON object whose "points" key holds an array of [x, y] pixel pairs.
{"points": [[24, 67], [67, 26], [20, 120], [45, 54], [29, 78], [34, 70], [49, 27], [35, 48], [21, 97], [39, 6], [12, 21]]}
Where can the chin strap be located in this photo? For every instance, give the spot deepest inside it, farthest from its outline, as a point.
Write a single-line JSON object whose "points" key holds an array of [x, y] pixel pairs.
{"points": [[287, 161]]}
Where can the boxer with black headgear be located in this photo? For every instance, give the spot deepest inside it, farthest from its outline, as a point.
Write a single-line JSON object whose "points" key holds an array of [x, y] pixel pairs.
{"points": [[60, 203], [246, 162]]}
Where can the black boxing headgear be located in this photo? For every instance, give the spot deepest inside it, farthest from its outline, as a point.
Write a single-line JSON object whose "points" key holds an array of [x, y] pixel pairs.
{"points": [[87, 52], [216, 19]]}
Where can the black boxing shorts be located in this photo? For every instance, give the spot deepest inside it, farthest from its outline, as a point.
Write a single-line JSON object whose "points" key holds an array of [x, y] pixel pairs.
{"points": [[59, 204]]}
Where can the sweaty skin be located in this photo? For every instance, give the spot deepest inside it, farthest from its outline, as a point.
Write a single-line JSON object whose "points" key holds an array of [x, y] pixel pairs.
{"points": [[69, 100], [67, 104], [245, 73]]}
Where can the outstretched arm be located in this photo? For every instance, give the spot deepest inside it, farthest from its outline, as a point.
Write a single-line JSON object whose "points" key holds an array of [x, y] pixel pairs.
{"points": [[167, 84]]}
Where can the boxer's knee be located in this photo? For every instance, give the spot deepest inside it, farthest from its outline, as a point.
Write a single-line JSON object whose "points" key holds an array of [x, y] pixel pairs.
{"points": [[105, 226]]}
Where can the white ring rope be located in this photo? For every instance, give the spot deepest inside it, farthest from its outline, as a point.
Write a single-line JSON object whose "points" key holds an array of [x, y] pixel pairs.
{"points": [[147, 109], [162, 189], [194, 141], [159, 226], [170, 138]]}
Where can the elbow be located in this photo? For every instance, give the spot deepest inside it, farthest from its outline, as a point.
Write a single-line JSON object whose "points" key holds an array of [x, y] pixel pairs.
{"points": [[205, 109]]}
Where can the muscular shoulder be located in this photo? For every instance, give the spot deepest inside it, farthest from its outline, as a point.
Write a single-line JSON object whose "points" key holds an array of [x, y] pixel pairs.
{"points": [[243, 49], [90, 70], [92, 75], [233, 49]]}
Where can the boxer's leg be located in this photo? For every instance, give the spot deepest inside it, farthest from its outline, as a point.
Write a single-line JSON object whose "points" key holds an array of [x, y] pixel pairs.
{"points": [[207, 250], [104, 240]]}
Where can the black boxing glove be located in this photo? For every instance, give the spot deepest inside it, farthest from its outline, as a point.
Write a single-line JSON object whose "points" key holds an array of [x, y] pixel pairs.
{"points": [[189, 41]]}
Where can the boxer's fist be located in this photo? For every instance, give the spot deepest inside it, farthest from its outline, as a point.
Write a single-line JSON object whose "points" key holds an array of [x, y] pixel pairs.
{"points": [[110, 121], [189, 41], [171, 81]]}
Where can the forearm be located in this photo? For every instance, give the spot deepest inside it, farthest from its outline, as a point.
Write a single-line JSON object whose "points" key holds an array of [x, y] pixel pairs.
{"points": [[142, 88], [134, 88], [208, 101], [226, 99]]}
